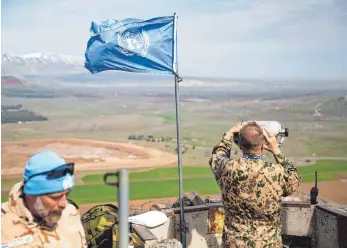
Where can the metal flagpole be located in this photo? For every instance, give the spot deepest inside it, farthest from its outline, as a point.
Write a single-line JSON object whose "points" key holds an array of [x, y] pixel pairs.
{"points": [[180, 172], [183, 227]]}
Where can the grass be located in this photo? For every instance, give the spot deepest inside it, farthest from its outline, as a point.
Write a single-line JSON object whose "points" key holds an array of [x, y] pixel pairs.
{"points": [[168, 118], [328, 170], [9, 182], [147, 189], [4, 198], [162, 182], [327, 146], [159, 173], [142, 190]]}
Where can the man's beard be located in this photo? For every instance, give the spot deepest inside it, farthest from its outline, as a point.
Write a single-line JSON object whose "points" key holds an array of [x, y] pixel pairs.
{"points": [[48, 218]]}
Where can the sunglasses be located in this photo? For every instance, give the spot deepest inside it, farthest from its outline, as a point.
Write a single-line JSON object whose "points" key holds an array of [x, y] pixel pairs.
{"points": [[57, 172]]}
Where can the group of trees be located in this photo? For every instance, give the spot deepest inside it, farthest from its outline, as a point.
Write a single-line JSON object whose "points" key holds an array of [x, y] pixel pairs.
{"points": [[11, 107], [28, 93], [149, 138], [14, 114]]}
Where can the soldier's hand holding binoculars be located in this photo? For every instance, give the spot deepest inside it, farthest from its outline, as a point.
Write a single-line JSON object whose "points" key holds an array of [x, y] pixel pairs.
{"points": [[235, 129], [271, 143]]}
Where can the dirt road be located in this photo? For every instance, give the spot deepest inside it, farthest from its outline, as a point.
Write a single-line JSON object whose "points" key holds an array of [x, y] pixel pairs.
{"points": [[334, 192], [88, 155]]}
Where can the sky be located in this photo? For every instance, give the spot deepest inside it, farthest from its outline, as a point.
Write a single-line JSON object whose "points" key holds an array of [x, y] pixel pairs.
{"points": [[289, 39]]}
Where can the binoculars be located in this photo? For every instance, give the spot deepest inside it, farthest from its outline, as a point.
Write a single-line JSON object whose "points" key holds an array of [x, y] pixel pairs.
{"points": [[273, 128]]}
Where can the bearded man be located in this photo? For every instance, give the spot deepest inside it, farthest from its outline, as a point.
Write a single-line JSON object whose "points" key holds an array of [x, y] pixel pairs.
{"points": [[38, 212]]}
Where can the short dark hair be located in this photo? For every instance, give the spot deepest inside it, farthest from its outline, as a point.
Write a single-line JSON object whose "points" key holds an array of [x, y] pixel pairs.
{"points": [[250, 136]]}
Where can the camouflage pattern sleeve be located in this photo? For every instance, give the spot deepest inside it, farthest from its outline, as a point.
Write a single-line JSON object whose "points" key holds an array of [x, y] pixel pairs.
{"points": [[291, 175], [220, 157]]}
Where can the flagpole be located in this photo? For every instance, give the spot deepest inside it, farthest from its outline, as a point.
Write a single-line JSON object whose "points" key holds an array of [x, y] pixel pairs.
{"points": [[182, 224], [180, 170]]}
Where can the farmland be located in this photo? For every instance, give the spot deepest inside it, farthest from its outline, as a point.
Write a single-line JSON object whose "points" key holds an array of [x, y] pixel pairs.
{"points": [[162, 182], [91, 126]]}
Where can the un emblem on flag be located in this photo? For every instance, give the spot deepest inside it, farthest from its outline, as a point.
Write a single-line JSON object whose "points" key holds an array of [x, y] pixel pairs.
{"points": [[133, 42]]}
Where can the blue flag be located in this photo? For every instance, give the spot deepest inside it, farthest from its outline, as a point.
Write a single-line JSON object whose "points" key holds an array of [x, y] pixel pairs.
{"points": [[133, 45]]}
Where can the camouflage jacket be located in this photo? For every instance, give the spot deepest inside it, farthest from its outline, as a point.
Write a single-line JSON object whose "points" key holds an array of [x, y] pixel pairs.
{"points": [[20, 230], [252, 190]]}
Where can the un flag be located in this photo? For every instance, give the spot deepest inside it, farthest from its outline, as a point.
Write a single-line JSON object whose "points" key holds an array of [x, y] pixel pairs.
{"points": [[133, 45]]}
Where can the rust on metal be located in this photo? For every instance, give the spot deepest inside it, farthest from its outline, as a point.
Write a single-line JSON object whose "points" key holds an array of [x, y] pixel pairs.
{"points": [[191, 209], [215, 220], [143, 233], [295, 204]]}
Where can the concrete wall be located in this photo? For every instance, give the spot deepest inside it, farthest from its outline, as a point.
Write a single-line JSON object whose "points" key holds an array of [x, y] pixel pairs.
{"points": [[197, 233], [297, 219], [330, 227], [165, 231], [204, 231], [323, 226], [197, 228]]}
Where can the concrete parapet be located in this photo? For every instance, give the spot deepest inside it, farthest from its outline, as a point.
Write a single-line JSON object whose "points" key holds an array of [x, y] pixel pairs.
{"points": [[198, 220], [303, 225], [330, 227], [297, 219]]}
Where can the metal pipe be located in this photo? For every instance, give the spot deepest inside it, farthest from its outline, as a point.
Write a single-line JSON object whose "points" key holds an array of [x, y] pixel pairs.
{"points": [[180, 172], [123, 202]]}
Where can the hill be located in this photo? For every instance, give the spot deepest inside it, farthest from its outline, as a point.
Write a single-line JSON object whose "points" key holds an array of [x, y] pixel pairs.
{"points": [[334, 107], [12, 81], [12, 86]]}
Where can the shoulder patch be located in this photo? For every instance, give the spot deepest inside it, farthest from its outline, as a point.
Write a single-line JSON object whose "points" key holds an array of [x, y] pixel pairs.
{"points": [[19, 241], [72, 203]]}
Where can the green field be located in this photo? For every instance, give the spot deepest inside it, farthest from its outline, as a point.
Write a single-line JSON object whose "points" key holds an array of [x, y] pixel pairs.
{"points": [[168, 118], [331, 146], [162, 182], [328, 170], [143, 190], [157, 174]]}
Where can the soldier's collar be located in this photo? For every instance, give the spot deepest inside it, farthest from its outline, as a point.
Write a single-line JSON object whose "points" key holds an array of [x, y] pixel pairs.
{"points": [[252, 156], [17, 205]]}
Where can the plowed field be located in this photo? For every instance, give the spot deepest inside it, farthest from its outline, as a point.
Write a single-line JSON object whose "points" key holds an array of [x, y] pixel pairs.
{"points": [[88, 155]]}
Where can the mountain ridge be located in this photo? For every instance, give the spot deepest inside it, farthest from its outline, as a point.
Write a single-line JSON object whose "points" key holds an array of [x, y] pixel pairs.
{"points": [[11, 81], [42, 58]]}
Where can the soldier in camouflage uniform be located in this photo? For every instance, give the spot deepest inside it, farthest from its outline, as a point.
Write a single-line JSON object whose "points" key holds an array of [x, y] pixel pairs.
{"points": [[38, 213], [252, 188]]}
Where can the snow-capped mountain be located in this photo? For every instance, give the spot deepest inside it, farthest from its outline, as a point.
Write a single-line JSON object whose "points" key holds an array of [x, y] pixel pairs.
{"points": [[40, 63], [55, 68], [42, 59]]}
